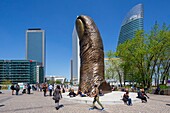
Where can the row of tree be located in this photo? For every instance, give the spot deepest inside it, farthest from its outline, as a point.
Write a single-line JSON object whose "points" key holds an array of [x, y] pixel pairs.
{"points": [[144, 59]]}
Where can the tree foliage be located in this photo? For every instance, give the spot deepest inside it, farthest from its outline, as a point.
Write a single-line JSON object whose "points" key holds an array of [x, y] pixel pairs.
{"points": [[113, 67], [146, 58], [6, 82]]}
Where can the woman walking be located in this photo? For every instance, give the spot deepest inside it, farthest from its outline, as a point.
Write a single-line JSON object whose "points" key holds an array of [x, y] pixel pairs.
{"points": [[57, 96]]}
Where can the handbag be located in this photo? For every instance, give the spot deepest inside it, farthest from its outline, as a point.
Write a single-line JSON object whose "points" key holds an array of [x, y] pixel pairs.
{"points": [[56, 98]]}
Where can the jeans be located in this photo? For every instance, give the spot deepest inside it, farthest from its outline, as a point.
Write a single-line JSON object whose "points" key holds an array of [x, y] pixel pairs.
{"points": [[50, 92], [129, 101]]}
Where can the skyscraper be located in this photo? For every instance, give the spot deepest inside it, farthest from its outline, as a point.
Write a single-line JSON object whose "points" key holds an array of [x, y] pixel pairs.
{"points": [[75, 57], [132, 22], [35, 47]]}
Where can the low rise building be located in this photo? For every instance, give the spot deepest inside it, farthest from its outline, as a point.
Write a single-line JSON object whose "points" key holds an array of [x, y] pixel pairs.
{"points": [[18, 71], [55, 78]]}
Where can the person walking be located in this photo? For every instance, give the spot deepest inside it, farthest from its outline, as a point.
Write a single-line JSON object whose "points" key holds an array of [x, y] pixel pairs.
{"points": [[44, 89], [28, 88], [50, 88], [57, 96], [95, 94]]}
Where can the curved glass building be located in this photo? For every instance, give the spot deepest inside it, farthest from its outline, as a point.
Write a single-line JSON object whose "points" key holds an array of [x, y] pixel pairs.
{"points": [[132, 22]]}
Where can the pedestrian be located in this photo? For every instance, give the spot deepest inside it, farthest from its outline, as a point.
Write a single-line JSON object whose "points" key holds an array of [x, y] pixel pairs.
{"points": [[44, 89], [50, 88], [12, 88], [57, 96], [28, 88], [17, 89], [95, 94], [63, 90]]}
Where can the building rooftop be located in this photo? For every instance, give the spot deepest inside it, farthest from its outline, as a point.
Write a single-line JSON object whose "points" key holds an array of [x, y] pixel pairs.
{"points": [[34, 29]]}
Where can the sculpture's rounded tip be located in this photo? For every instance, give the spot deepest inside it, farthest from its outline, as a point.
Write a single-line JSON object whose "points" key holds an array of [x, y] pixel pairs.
{"points": [[80, 27]]}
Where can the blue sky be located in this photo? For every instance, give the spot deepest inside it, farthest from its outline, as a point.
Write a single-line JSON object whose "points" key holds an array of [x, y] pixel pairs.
{"points": [[57, 18]]}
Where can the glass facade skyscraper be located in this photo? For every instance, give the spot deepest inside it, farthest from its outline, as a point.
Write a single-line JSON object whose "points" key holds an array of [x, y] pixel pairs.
{"points": [[132, 22], [75, 58], [35, 47]]}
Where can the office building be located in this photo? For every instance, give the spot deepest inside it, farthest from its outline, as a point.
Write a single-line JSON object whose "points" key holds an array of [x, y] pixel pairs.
{"points": [[75, 62], [132, 22], [35, 46], [40, 74], [18, 71]]}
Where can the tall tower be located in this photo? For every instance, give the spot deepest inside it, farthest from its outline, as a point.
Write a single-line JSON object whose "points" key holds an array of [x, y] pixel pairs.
{"points": [[75, 57], [35, 48], [132, 22]]}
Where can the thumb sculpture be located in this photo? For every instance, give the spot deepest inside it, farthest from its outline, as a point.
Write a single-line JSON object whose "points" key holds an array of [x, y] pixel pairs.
{"points": [[91, 55]]}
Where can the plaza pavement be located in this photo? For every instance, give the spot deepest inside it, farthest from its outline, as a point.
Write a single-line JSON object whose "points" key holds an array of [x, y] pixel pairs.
{"points": [[37, 103], [114, 97]]}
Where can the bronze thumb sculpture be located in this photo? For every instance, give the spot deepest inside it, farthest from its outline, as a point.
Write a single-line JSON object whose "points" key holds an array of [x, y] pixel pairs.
{"points": [[91, 55]]}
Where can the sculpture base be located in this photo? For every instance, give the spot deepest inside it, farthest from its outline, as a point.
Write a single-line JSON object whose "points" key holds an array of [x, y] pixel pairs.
{"points": [[106, 88]]}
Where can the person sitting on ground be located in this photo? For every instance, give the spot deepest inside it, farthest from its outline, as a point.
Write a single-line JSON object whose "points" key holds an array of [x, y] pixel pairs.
{"points": [[157, 90], [113, 88], [80, 93], [126, 98], [87, 92], [143, 96], [72, 94], [101, 93]]}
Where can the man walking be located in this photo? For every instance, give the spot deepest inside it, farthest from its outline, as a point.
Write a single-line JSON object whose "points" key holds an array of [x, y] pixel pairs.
{"points": [[50, 87], [96, 98]]}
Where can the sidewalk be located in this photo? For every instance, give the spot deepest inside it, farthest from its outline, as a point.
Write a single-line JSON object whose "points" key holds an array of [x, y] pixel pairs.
{"points": [[108, 99]]}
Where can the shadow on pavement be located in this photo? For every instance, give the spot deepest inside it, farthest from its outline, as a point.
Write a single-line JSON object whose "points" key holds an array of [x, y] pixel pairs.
{"points": [[2, 105], [22, 109]]}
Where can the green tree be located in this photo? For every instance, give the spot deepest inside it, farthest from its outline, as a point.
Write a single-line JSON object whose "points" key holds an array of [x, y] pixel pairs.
{"points": [[58, 82], [6, 82], [146, 56], [113, 67], [50, 82]]}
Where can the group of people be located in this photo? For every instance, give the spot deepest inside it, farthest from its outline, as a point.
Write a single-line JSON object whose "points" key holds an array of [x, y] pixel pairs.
{"points": [[50, 88], [79, 92], [16, 88], [140, 94], [82, 94], [95, 93], [56, 92]]}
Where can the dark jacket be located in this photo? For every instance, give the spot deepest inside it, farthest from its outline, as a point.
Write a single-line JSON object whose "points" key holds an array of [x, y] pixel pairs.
{"points": [[12, 87], [57, 94]]}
